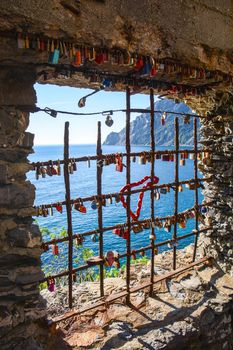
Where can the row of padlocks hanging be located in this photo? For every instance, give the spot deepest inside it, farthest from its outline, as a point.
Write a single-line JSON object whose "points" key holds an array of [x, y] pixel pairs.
{"points": [[78, 205], [55, 169], [80, 54], [122, 231]]}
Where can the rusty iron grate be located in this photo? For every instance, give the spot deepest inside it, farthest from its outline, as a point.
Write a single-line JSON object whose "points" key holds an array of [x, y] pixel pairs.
{"points": [[129, 224]]}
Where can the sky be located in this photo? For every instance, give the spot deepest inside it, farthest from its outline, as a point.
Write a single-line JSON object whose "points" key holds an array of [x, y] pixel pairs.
{"points": [[83, 129]]}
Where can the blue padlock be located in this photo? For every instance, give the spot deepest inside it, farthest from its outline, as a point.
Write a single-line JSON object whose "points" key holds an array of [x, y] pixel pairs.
{"points": [[95, 237], [203, 210], [54, 56], [93, 205]]}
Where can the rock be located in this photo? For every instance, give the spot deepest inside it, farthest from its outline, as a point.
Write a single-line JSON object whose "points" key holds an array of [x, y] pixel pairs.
{"points": [[192, 283], [24, 237]]}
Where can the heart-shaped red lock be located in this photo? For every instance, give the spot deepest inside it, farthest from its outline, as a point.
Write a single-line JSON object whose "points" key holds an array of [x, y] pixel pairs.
{"points": [[141, 195], [59, 207]]}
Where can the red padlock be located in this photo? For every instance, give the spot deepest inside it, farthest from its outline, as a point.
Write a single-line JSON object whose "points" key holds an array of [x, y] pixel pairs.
{"points": [[119, 163], [55, 249], [80, 207]]}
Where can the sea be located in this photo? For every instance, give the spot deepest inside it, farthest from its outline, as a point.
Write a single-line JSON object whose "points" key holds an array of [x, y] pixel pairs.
{"points": [[83, 184]]}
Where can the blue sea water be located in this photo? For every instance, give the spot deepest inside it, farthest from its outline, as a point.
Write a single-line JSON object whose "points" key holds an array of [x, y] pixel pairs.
{"points": [[83, 183]]}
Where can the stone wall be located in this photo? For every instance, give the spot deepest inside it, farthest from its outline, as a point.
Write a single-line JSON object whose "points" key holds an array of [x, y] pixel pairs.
{"points": [[217, 135], [20, 239]]}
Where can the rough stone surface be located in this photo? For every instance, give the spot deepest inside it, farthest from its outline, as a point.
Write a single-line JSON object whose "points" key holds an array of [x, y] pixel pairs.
{"points": [[198, 318]]}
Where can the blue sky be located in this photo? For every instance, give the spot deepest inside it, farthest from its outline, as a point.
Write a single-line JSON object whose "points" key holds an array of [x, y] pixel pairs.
{"points": [[83, 129]]}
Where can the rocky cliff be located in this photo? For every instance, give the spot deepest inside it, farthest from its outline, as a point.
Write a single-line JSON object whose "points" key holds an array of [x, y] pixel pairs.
{"points": [[164, 134]]}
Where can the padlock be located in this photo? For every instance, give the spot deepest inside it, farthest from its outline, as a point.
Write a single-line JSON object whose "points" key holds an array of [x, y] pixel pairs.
{"points": [[51, 210], [79, 240], [51, 284], [109, 121], [146, 225], [45, 247], [203, 210], [43, 172], [180, 188], [142, 252], [186, 119], [165, 157], [152, 236], [137, 228], [182, 162], [116, 263], [110, 258], [54, 57], [70, 167], [117, 198], [49, 170], [133, 254], [133, 159], [171, 158], [74, 165], [182, 224], [55, 249], [58, 207], [167, 228], [119, 163], [191, 156], [163, 190], [94, 205], [110, 200], [142, 159], [163, 117], [95, 237], [58, 168], [74, 277], [157, 195], [80, 207]]}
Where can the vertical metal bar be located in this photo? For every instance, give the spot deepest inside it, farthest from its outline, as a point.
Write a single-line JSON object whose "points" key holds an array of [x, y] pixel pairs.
{"points": [[128, 148], [100, 207], [176, 188], [68, 209], [152, 173], [196, 189]]}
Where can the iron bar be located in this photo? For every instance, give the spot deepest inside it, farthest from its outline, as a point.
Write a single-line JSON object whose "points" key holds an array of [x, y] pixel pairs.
{"points": [[99, 171], [128, 165], [118, 194], [68, 209], [123, 255], [196, 189], [116, 296], [152, 174], [104, 156], [176, 188], [109, 228]]}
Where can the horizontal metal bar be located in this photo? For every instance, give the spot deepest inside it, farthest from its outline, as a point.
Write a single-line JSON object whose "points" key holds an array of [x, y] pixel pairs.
{"points": [[105, 156], [114, 297], [109, 228], [119, 194], [84, 267]]}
